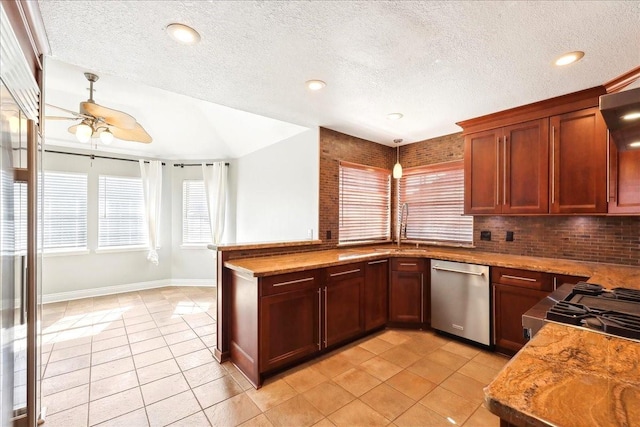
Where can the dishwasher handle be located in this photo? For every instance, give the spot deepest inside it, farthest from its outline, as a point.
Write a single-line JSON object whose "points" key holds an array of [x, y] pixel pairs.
{"points": [[451, 270]]}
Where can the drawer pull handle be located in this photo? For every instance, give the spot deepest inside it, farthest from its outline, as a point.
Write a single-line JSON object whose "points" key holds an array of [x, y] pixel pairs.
{"points": [[408, 264], [292, 282], [382, 261], [342, 273], [450, 270], [526, 279]]}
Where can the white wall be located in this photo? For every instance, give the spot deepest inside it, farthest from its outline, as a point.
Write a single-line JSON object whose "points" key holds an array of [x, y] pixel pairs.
{"points": [[278, 191], [73, 273]]}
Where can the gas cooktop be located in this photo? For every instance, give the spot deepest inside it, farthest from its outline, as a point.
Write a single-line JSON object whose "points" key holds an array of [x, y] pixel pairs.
{"points": [[614, 312]]}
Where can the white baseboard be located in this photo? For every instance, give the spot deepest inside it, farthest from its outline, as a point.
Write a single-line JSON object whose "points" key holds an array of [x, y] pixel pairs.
{"points": [[128, 287]]}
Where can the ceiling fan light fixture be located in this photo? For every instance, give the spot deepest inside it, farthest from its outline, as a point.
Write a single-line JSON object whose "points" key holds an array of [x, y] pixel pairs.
{"points": [[569, 58], [183, 34], [84, 132], [106, 137]]}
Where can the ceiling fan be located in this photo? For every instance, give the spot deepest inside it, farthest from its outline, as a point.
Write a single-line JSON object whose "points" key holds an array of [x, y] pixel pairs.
{"points": [[102, 122]]}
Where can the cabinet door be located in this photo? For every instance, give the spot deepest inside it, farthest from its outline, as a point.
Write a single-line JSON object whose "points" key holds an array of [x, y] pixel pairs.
{"points": [[525, 174], [624, 180], [578, 162], [406, 297], [376, 284], [482, 172], [510, 303], [289, 327], [344, 310]]}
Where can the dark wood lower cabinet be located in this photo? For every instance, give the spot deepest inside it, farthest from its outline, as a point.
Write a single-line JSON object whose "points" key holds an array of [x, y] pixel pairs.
{"points": [[376, 285], [409, 292], [510, 303], [343, 305], [289, 327], [277, 321], [405, 293]]}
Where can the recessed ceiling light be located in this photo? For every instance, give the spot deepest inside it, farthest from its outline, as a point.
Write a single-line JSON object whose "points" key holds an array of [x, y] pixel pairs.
{"points": [[569, 58], [635, 144], [395, 116], [632, 116], [183, 33], [315, 84]]}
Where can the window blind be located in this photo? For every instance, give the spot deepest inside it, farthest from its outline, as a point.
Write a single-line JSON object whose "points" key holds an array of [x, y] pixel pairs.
{"points": [[195, 214], [364, 203], [435, 195], [65, 210], [20, 215], [121, 212]]}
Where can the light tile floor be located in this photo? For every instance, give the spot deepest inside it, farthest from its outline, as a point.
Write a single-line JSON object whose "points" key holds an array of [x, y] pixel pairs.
{"points": [[145, 359]]}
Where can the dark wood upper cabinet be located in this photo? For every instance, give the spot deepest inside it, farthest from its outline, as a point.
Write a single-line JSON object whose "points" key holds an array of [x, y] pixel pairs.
{"points": [[481, 172], [506, 170], [541, 158], [624, 180], [526, 168], [578, 162]]}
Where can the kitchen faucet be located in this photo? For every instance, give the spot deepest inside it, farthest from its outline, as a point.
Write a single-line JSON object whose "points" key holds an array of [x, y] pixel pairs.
{"points": [[403, 222]]}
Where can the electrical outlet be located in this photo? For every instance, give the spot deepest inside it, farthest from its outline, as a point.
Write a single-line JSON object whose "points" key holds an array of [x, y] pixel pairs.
{"points": [[485, 235], [509, 237], [310, 234]]}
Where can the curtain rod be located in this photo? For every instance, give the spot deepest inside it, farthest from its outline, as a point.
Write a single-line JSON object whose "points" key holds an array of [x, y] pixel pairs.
{"points": [[95, 156], [194, 164]]}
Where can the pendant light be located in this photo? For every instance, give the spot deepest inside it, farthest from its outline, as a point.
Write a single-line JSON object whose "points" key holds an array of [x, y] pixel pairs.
{"points": [[397, 168]]}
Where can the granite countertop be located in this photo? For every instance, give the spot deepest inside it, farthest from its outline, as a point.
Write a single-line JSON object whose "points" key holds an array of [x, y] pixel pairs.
{"points": [[608, 275], [569, 376]]}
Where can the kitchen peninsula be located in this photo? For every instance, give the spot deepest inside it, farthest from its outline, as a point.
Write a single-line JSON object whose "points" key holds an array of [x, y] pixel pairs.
{"points": [[254, 271]]}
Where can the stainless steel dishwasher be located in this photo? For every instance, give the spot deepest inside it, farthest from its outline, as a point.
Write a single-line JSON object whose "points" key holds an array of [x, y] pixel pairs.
{"points": [[460, 300]]}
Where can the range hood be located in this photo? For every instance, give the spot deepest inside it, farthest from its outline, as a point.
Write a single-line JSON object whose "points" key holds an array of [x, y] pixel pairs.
{"points": [[621, 112]]}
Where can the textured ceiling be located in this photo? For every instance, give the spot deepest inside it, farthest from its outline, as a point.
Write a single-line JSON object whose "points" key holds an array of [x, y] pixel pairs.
{"points": [[437, 62]]}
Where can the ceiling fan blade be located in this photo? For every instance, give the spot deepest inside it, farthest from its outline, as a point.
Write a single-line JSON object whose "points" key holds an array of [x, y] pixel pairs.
{"points": [[61, 118], [137, 134], [75, 113], [110, 116]]}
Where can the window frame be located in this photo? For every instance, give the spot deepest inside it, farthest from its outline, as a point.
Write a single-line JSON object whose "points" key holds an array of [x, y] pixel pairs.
{"points": [[418, 237], [386, 217]]}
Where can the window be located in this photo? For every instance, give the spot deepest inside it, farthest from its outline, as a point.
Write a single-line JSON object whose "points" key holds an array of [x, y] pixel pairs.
{"points": [[65, 210], [435, 195], [365, 203], [195, 214], [121, 212]]}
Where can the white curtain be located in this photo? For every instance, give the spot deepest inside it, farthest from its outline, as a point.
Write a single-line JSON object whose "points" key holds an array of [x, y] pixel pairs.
{"points": [[215, 187], [152, 188]]}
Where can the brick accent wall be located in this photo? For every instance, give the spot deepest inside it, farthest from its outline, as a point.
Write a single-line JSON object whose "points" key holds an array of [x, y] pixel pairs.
{"points": [[437, 150], [586, 238]]}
